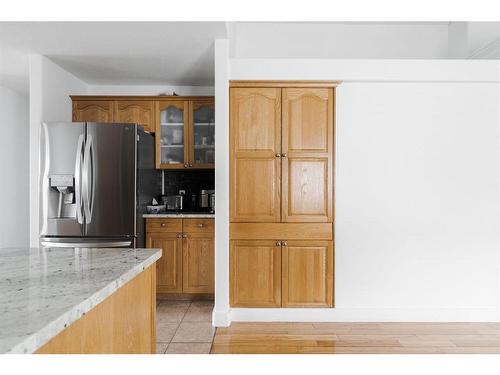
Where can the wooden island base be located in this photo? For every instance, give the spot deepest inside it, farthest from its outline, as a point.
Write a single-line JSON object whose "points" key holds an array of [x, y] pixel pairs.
{"points": [[124, 323]]}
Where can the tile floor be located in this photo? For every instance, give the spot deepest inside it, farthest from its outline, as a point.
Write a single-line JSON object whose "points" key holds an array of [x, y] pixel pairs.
{"points": [[184, 327]]}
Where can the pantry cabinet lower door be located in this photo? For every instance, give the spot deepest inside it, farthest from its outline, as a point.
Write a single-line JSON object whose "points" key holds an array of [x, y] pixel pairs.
{"points": [[169, 266], [255, 274], [198, 263], [307, 274]]}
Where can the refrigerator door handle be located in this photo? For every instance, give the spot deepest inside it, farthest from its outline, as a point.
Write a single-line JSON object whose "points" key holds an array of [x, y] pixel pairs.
{"points": [[78, 179], [88, 179], [86, 244]]}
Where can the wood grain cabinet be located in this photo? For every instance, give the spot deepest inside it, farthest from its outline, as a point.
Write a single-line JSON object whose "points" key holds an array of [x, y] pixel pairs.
{"points": [[187, 263], [93, 110], [184, 127], [255, 273], [135, 111], [185, 133], [281, 182], [281, 154], [307, 268]]}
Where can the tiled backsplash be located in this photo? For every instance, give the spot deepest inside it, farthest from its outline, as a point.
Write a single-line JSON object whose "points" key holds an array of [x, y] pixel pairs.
{"points": [[190, 180]]}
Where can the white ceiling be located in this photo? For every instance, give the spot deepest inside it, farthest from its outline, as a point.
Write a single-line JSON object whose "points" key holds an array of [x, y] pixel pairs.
{"points": [[176, 53], [181, 53]]}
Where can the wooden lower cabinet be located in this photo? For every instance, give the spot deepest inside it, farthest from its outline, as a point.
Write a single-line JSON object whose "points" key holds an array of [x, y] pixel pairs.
{"points": [[268, 273], [255, 274], [307, 268], [169, 266], [187, 264], [198, 263]]}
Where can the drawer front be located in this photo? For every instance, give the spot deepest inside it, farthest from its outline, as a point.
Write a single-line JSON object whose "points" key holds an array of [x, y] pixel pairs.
{"points": [[164, 225], [199, 226], [281, 231]]}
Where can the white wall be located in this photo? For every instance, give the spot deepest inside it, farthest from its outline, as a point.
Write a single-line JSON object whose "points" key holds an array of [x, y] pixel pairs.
{"points": [[150, 90], [351, 40], [50, 87], [417, 189], [14, 166]]}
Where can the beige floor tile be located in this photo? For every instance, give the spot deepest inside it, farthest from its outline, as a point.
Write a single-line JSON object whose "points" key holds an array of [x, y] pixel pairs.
{"points": [[194, 332], [171, 311], [165, 331], [189, 348], [161, 347], [199, 311]]}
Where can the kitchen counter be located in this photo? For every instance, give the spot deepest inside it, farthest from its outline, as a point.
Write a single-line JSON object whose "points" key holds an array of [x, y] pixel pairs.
{"points": [[179, 215], [43, 291]]}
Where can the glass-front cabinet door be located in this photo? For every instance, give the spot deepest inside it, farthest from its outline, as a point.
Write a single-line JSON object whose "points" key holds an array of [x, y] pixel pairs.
{"points": [[202, 134], [171, 135]]}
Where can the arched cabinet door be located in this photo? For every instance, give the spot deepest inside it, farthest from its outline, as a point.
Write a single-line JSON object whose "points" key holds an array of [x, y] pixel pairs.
{"points": [[255, 162], [139, 112], [202, 134], [171, 134], [93, 110], [307, 155]]}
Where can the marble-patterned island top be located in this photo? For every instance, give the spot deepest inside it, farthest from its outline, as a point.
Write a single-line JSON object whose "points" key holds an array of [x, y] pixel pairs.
{"points": [[42, 291]]}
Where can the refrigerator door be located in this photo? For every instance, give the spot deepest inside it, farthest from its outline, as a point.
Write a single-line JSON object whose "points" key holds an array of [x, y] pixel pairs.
{"points": [[108, 180], [61, 158]]}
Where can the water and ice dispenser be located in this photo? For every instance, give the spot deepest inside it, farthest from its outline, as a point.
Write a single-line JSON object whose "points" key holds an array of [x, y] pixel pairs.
{"points": [[64, 184]]}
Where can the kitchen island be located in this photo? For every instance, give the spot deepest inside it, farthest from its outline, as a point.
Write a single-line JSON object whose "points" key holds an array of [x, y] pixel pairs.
{"points": [[81, 300]]}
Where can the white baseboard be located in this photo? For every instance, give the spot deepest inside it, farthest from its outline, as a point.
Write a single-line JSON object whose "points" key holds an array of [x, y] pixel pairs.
{"points": [[221, 318], [224, 318]]}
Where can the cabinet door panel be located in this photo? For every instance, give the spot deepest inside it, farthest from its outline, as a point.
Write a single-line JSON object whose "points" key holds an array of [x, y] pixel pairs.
{"points": [[307, 143], [172, 134], [307, 274], [255, 144], [139, 112], [198, 263], [202, 134], [93, 111], [255, 274], [169, 266], [307, 196], [255, 188]]}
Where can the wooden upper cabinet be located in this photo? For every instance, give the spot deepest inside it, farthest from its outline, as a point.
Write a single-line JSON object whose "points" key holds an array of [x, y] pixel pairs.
{"points": [[93, 110], [202, 133], [172, 134], [307, 150], [307, 274], [139, 112], [169, 266], [255, 274], [255, 117]]}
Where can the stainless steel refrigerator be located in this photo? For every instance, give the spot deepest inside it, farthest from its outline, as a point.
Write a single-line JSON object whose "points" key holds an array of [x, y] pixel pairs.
{"points": [[95, 182]]}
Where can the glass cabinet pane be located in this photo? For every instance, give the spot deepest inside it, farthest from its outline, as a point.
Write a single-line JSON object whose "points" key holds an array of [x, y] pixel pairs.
{"points": [[204, 133], [172, 135]]}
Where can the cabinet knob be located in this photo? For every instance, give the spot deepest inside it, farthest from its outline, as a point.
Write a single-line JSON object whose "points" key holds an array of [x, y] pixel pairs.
{"points": [[278, 155], [163, 224], [278, 243], [190, 165], [184, 235], [284, 155], [200, 225], [284, 243], [186, 165], [179, 235]]}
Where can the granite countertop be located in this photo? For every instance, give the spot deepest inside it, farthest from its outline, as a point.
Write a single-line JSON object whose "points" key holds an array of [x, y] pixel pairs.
{"points": [[186, 215], [42, 291]]}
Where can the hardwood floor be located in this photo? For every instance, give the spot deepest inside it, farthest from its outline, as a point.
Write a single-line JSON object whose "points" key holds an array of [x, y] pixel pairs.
{"points": [[358, 338]]}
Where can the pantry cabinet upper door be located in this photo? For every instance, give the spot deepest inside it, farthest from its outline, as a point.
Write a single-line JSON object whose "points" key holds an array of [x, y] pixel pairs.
{"points": [[255, 135], [139, 112], [93, 110], [307, 150]]}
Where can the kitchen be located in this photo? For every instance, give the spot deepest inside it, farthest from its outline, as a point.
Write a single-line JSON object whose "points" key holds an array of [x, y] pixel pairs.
{"points": [[325, 171]]}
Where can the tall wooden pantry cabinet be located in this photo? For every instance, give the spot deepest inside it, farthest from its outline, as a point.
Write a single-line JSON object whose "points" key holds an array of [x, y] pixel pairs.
{"points": [[281, 193]]}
